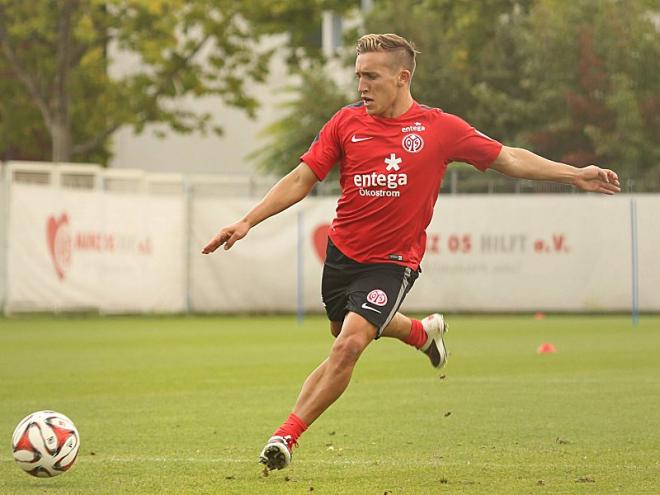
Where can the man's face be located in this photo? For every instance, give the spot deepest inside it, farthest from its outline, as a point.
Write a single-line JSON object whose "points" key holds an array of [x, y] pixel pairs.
{"points": [[379, 82]]}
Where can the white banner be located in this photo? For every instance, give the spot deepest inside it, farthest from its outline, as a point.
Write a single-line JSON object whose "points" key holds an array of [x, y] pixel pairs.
{"points": [[527, 253], [258, 274], [77, 249], [648, 249], [484, 253]]}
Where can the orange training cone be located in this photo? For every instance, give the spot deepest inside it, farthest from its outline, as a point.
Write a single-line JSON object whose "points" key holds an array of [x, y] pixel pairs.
{"points": [[546, 348]]}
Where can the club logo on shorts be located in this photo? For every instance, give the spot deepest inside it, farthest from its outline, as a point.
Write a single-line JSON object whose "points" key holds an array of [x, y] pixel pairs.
{"points": [[412, 143], [377, 297]]}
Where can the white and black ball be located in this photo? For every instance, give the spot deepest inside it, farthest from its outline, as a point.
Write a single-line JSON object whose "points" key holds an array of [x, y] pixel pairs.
{"points": [[45, 444]]}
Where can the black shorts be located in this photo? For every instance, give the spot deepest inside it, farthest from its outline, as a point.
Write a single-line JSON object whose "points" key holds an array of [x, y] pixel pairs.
{"points": [[373, 291]]}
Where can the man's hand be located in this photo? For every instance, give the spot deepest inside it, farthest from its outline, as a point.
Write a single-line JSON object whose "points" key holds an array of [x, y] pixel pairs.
{"points": [[290, 189], [227, 236], [596, 179]]}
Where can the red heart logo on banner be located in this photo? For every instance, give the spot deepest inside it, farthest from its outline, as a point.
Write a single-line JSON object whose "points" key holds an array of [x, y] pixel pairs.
{"points": [[320, 239], [60, 249]]}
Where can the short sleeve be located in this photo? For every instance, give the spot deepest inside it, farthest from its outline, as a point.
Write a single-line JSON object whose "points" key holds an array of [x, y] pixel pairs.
{"points": [[325, 150], [466, 144]]}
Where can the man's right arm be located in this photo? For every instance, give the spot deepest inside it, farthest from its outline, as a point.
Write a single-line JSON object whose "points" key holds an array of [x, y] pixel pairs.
{"points": [[288, 191], [523, 164]]}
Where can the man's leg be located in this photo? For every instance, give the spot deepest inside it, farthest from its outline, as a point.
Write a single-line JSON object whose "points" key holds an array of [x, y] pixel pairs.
{"points": [[329, 380], [427, 335], [321, 388], [399, 327]]}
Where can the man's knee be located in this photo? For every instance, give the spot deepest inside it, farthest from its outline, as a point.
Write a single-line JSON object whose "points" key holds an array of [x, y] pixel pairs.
{"points": [[351, 342], [346, 350]]}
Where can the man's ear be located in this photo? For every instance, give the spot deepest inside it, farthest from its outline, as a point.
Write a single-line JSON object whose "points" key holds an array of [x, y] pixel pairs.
{"points": [[404, 77]]}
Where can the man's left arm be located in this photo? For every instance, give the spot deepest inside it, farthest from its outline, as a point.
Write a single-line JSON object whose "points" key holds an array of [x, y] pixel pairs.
{"points": [[523, 164]]}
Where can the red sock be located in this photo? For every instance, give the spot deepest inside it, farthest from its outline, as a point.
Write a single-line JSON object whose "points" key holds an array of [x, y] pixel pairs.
{"points": [[418, 336], [293, 427]]}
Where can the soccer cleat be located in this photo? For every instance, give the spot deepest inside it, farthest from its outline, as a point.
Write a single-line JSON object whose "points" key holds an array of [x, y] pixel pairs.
{"points": [[435, 327], [276, 453]]}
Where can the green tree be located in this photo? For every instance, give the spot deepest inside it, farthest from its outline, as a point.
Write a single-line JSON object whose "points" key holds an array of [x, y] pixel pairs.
{"points": [[21, 131], [595, 70], [575, 81], [468, 54], [451, 37], [55, 54], [315, 99]]}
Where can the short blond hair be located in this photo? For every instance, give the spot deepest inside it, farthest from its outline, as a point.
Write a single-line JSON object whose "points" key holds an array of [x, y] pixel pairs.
{"points": [[389, 43]]}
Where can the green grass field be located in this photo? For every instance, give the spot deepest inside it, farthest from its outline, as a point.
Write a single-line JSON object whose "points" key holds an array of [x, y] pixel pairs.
{"points": [[184, 405]]}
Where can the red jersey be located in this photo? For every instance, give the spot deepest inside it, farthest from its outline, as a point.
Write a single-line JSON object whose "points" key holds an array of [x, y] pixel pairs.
{"points": [[390, 174]]}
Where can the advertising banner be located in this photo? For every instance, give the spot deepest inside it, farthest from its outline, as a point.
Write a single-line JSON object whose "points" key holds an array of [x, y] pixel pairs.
{"points": [[118, 252], [258, 274], [484, 253], [647, 212], [80, 249], [527, 253]]}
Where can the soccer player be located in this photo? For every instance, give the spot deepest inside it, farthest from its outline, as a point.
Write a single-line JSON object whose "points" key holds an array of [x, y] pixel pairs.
{"points": [[392, 153]]}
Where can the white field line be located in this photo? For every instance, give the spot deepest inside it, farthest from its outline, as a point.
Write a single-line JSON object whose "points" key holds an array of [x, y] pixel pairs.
{"points": [[537, 380], [345, 462]]}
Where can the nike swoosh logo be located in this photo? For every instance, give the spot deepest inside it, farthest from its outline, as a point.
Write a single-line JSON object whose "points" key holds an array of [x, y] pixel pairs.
{"points": [[364, 305], [356, 139]]}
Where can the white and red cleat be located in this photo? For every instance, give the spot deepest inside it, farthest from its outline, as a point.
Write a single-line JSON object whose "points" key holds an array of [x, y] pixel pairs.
{"points": [[277, 453], [435, 327]]}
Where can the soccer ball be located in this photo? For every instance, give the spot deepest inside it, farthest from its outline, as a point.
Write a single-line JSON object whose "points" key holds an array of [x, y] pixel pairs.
{"points": [[45, 444]]}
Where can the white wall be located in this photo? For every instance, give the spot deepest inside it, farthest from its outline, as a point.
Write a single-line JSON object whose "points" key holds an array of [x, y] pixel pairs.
{"points": [[484, 253], [95, 250], [80, 237], [195, 153], [139, 250]]}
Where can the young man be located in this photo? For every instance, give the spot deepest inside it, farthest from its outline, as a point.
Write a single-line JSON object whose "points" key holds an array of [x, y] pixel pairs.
{"points": [[393, 153]]}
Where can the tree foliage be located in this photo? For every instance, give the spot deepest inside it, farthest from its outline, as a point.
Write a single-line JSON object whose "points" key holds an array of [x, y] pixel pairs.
{"points": [[56, 62], [602, 96], [315, 99], [574, 81]]}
